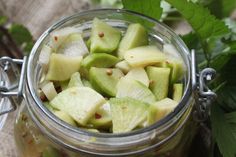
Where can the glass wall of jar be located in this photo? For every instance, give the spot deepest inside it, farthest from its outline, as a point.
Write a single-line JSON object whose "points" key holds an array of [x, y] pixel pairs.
{"points": [[39, 133]]}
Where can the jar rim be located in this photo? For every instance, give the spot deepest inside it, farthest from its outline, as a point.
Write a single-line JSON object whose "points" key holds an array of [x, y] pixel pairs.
{"points": [[177, 110]]}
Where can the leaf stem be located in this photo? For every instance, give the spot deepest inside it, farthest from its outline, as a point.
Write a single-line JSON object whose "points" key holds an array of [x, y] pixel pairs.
{"points": [[6, 49], [206, 53], [17, 53]]}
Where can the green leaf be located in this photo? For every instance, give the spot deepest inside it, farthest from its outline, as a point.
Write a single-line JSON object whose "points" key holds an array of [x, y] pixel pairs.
{"points": [[20, 34], [232, 26], [222, 8], [3, 20], [227, 98], [228, 72], [191, 40], [28, 47], [227, 93], [232, 46], [223, 132], [203, 23], [231, 117], [148, 7], [219, 61]]}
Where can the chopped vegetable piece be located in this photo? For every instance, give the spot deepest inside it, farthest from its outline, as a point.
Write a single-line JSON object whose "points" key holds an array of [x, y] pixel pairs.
{"points": [[100, 60], [127, 113], [74, 45], [177, 70], [177, 92], [61, 67], [135, 36], [104, 82], [143, 56], [59, 36], [80, 103], [164, 107], [75, 80], [49, 107], [86, 83], [65, 117], [104, 38], [102, 117], [131, 88], [49, 91], [138, 74], [123, 66], [160, 81], [45, 55], [151, 117]]}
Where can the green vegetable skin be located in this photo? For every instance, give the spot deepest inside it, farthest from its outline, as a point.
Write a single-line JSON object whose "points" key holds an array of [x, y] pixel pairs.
{"points": [[143, 56], [177, 92], [99, 60], [104, 80], [159, 81], [104, 38], [136, 88], [127, 113], [135, 36]]}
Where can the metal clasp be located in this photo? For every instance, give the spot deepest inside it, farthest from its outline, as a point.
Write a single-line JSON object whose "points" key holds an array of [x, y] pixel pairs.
{"points": [[16, 89], [202, 94]]}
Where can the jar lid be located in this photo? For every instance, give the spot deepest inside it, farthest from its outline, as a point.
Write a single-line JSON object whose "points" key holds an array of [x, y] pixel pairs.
{"points": [[4, 101]]}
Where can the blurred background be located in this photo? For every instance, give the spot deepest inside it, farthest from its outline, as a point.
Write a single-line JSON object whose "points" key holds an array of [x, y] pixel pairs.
{"points": [[23, 21]]}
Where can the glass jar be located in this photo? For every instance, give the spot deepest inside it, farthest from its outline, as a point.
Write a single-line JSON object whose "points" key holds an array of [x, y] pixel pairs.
{"points": [[39, 133]]}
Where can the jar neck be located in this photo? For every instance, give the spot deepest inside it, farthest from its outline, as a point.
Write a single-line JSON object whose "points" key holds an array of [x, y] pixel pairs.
{"points": [[104, 144]]}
